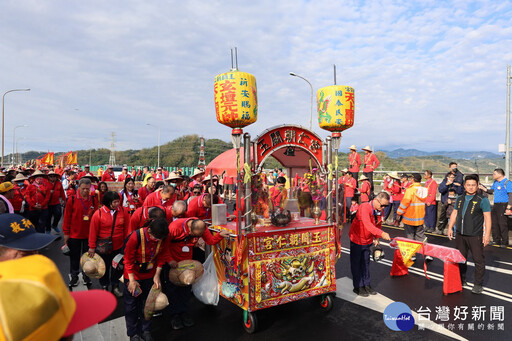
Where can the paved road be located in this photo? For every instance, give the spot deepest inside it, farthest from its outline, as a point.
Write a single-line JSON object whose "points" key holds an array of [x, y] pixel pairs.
{"points": [[353, 318]]}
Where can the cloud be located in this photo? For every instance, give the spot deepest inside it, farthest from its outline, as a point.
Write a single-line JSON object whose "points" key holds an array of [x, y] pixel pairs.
{"points": [[427, 75]]}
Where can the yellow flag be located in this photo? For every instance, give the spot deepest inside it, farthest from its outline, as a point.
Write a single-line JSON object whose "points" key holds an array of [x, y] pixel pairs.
{"points": [[407, 250]]}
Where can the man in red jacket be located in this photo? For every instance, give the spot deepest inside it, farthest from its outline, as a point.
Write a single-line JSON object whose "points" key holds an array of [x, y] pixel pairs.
{"points": [[365, 230], [142, 215], [108, 175], [162, 198], [77, 218], [146, 251], [350, 189], [144, 191], [183, 236], [87, 170], [38, 196], [370, 163], [54, 204], [430, 203], [354, 162]]}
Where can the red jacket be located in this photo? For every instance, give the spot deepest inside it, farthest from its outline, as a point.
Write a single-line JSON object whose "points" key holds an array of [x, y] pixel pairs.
{"points": [[74, 224], [159, 177], [144, 192], [107, 176], [123, 177], [350, 191], [37, 194], [101, 227], [365, 191], [366, 225], [354, 161], [370, 163], [19, 196], [138, 218], [196, 208], [178, 232], [431, 185], [396, 191], [156, 254], [155, 199], [58, 192]]}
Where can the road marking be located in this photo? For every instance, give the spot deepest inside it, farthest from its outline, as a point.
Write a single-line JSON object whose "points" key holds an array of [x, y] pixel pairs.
{"points": [[438, 277], [500, 261], [379, 303]]}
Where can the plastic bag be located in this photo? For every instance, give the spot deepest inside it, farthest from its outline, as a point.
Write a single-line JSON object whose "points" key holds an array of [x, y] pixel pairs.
{"points": [[206, 289]]}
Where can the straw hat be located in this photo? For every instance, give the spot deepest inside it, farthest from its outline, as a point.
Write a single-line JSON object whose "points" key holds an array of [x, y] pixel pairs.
{"points": [[93, 267], [394, 175], [52, 173], [37, 173], [174, 176], [344, 170], [352, 147], [20, 177], [2, 174], [156, 301], [368, 149], [187, 272], [197, 172], [362, 177]]}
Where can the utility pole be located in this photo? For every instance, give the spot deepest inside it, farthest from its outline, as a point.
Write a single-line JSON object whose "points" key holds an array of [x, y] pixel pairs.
{"points": [[202, 163], [112, 159]]}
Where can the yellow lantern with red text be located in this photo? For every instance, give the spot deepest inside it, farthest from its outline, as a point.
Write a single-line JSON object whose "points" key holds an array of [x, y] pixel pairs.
{"points": [[236, 102], [335, 105]]}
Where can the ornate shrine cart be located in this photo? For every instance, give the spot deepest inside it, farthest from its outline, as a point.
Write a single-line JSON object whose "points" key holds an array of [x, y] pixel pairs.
{"points": [[265, 265]]}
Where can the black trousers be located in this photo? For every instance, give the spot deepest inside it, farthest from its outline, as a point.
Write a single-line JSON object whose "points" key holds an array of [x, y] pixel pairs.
{"points": [[38, 219], [77, 248], [473, 244], [55, 212], [499, 223], [369, 175], [134, 308], [360, 264], [111, 276], [443, 219]]}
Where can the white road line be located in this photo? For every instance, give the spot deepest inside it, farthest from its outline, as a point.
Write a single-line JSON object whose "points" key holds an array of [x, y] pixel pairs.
{"points": [[438, 277], [487, 267], [500, 261]]}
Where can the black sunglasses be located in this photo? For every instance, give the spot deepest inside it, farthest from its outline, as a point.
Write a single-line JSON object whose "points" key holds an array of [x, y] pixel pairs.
{"points": [[196, 192], [381, 204]]}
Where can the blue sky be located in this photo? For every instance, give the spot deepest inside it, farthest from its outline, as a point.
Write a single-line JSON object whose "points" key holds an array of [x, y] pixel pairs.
{"points": [[429, 75]]}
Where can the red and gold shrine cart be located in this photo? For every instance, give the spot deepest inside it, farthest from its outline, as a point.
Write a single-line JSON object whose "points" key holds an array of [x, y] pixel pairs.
{"points": [[266, 265]]}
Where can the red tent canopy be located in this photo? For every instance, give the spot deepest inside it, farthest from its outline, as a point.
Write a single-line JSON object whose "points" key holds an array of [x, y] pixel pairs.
{"points": [[226, 162]]}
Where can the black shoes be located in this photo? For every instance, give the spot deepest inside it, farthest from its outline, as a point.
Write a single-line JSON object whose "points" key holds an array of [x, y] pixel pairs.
{"points": [[73, 282], [361, 292], [87, 280], [370, 290], [477, 289]]}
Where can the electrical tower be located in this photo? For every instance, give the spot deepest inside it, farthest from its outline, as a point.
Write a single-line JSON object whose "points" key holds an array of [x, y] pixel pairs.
{"points": [[112, 159], [201, 164]]}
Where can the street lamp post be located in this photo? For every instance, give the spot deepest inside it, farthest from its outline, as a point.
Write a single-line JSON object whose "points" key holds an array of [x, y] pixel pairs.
{"points": [[507, 138], [3, 105], [152, 125], [17, 156], [311, 86], [14, 140]]}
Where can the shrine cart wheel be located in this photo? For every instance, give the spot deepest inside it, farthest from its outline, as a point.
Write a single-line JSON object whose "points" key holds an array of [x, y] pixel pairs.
{"points": [[250, 322], [326, 302]]}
